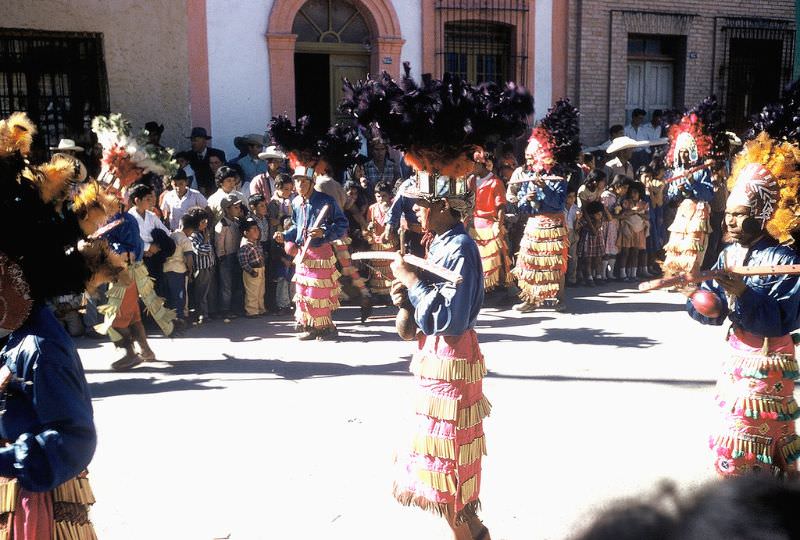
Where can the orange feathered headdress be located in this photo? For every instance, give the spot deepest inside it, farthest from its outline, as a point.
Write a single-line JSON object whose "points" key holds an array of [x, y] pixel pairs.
{"points": [[766, 177]]}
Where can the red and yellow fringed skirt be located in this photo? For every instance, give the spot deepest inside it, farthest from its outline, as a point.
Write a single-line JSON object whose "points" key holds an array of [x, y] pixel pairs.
{"points": [[755, 396], [61, 514], [442, 472], [542, 258], [316, 287], [380, 273], [494, 253], [341, 248], [688, 238]]}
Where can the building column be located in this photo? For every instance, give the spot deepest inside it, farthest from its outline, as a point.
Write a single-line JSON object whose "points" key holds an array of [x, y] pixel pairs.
{"points": [[281, 61]]}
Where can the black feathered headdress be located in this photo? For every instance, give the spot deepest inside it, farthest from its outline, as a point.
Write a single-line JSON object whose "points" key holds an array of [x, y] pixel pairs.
{"points": [[781, 121], [563, 124], [438, 123]]}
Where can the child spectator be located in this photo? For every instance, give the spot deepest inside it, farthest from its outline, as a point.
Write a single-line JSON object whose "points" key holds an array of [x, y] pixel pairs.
{"points": [[281, 272], [612, 200], [634, 225], [591, 242], [179, 265], [251, 259], [227, 179], [654, 195], [592, 188], [380, 277], [227, 237], [258, 211], [205, 265], [280, 205], [570, 217]]}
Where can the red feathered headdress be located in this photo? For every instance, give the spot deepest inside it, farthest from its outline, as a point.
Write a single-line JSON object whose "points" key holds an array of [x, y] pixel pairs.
{"points": [[541, 146], [688, 134]]}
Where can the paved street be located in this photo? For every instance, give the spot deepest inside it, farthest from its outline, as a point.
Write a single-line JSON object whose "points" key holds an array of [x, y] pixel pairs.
{"points": [[241, 430]]}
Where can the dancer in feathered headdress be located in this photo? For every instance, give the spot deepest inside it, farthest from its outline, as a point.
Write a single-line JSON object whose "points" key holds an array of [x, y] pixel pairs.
{"points": [[542, 260], [690, 182], [46, 250], [755, 390], [125, 159], [319, 225], [441, 124]]}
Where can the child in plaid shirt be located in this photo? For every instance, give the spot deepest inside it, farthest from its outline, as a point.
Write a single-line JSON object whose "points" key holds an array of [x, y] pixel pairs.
{"points": [[251, 259]]}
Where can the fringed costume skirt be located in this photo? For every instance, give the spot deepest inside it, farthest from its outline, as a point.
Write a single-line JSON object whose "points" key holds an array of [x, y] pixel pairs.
{"points": [[61, 514], [317, 287], [380, 273], [494, 253], [758, 410], [442, 472], [341, 248], [542, 258], [688, 238], [122, 308]]}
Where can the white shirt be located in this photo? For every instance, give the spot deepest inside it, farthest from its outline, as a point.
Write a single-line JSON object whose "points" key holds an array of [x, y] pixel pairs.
{"points": [[147, 225], [175, 207], [571, 214], [215, 201], [644, 132]]}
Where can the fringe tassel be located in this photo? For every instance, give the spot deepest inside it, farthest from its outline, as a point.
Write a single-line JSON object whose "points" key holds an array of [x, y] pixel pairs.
{"points": [[534, 232], [76, 490], [67, 530], [760, 367], [434, 446], [448, 369], [472, 451], [542, 261], [315, 322], [443, 408], [538, 276], [444, 482], [320, 263], [319, 303], [317, 282], [791, 450], [9, 491], [409, 498], [755, 407], [154, 305], [474, 414], [741, 444], [468, 489], [543, 247]]}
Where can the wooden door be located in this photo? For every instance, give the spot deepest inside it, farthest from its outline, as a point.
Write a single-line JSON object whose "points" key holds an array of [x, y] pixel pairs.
{"points": [[650, 86], [354, 67]]}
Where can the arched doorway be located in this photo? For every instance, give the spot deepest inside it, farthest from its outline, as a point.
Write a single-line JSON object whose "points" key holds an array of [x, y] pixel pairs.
{"points": [[333, 41], [381, 50]]}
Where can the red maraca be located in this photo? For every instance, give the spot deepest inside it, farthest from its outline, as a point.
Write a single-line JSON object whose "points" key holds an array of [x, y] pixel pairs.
{"points": [[706, 303]]}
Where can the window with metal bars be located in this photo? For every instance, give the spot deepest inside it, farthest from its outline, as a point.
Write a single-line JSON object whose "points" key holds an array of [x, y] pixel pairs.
{"points": [[482, 40], [57, 78], [757, 62]]}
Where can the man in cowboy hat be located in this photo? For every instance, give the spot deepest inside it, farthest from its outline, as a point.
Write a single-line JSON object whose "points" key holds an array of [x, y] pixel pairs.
{"points": [[199, 154], [154, 131], [67, 146], [622, 149], [264, 183], [250, 164]]}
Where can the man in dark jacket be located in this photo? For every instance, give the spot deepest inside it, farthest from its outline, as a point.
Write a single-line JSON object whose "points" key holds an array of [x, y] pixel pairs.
{"points": [[199, 156]]}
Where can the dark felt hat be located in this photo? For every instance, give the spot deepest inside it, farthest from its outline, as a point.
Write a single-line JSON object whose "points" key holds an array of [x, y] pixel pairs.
{"points": [[199, 132]]}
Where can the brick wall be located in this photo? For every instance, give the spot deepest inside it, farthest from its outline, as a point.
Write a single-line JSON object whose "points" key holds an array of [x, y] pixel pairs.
{"points": [[597, 54]]}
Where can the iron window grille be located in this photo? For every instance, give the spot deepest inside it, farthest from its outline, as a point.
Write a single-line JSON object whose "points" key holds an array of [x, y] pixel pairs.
{"points": [[482, 40], [58, 78]]}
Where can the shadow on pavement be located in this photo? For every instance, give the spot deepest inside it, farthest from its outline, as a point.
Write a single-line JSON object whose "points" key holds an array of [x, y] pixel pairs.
{"points": [[292, 370], [565, 378], [577, 336], [151, 385], [599, 305]]}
